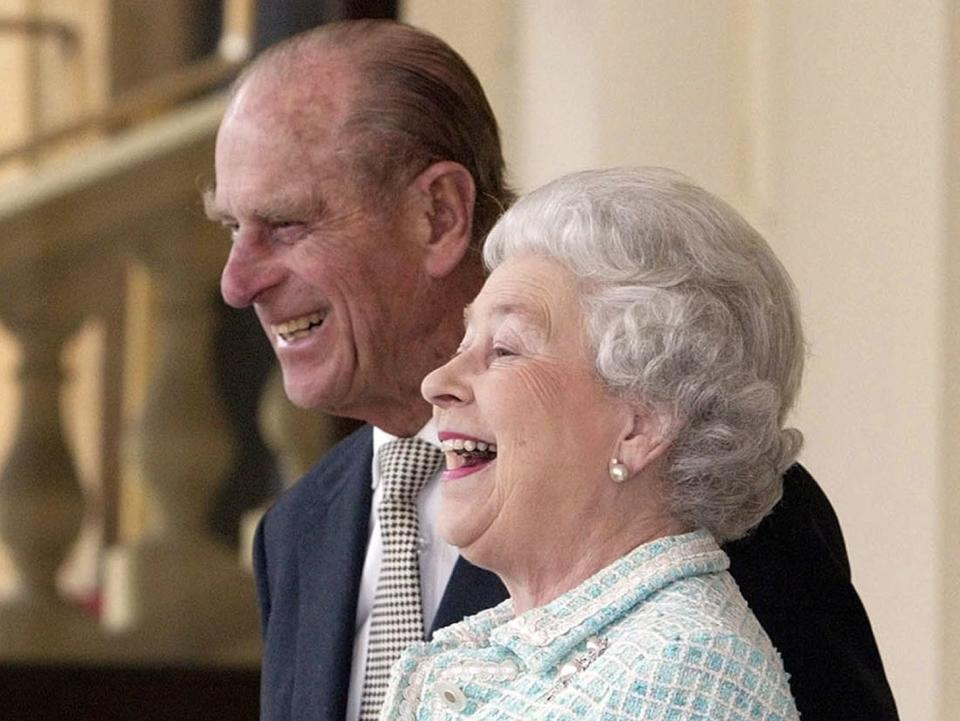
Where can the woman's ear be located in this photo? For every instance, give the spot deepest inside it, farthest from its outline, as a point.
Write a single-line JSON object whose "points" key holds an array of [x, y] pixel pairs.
{"points": [[645, 440], [447, 193]]}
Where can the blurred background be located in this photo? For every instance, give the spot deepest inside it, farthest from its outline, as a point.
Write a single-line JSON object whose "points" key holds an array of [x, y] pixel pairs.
{"points": [[141, 423]]}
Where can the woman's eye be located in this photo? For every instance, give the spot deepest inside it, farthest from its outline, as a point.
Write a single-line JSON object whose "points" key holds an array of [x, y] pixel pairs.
{"points": [[501, 352]]}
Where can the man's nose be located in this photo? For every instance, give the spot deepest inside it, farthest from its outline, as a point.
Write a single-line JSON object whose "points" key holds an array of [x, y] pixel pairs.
{"points": [[248, 272]]}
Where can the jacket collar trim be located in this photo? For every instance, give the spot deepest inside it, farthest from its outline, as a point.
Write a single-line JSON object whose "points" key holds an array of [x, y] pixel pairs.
{"points": [[544, 636]]}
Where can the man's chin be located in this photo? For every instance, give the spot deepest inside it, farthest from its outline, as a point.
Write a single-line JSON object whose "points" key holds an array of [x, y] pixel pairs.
{"points": [[310, 396]]}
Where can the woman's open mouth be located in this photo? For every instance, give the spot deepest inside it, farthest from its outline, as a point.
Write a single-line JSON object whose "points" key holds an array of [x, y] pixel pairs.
{"points": [[465, 455]]}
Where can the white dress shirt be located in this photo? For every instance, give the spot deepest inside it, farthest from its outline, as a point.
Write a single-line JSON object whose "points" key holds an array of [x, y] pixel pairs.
{"points": [[437, 558]]}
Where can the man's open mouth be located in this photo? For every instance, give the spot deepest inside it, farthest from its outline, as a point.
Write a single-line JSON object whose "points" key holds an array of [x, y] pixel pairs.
{"points": [[297, 328]]}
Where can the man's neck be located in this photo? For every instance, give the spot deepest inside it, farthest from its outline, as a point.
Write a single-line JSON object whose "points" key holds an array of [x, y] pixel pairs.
{"points": [[401, 422]]}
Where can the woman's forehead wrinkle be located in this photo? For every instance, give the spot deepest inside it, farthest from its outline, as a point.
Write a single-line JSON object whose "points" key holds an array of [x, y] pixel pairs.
{"points": [[533, 300], [535, 314]]}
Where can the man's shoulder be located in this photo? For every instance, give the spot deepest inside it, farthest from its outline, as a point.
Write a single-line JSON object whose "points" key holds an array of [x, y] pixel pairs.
{"points": [[348, 461], [802, 530], [356, 450]]}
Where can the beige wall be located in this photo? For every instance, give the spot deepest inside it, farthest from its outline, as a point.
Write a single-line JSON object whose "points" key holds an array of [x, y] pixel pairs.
{"points": [[950, 430], [827, 124], [859, 201]]}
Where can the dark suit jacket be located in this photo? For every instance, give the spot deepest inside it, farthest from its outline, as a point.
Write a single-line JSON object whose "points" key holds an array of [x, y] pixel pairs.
{"points": [[309, 555]]}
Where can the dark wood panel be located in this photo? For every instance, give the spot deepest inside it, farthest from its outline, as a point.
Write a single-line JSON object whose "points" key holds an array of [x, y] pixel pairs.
{"points": [[109, 693]]}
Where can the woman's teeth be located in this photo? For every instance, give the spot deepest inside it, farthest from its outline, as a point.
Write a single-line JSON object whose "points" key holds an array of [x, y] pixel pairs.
{"points": [[463, 452], [457, 445]]}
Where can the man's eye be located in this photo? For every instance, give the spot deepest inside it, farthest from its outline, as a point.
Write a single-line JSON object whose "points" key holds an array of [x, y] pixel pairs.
{"points": [[501, 352], [287, 231]]}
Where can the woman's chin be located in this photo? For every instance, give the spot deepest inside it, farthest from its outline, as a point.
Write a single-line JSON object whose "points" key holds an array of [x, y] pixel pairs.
{"points": [[456, 530], [469, 506], [464, 526]]}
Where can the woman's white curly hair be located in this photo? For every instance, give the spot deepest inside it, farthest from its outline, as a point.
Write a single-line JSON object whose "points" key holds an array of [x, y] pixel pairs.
{"points": [[691, 316]]}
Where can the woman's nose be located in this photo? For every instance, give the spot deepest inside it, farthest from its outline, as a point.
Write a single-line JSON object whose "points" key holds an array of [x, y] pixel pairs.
{"points": [[449, 385]]}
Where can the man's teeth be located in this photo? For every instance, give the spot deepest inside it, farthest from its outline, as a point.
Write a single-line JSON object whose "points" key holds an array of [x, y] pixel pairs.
{"points": [[298, 327], [468, 445]]}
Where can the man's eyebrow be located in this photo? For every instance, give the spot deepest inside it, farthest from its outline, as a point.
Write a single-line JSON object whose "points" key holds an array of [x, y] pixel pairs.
{"points": [[283, 211], [210, 206], [280, 210]]}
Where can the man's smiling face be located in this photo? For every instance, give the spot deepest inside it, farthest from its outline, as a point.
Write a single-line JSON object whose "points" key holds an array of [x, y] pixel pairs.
{"points": [[332, 277]]}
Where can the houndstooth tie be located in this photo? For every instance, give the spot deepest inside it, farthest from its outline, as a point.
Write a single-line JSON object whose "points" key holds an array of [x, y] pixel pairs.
{"points": [[406, 464]]}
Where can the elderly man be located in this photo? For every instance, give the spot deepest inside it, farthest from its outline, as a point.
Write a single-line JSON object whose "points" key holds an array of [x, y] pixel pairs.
{"points": [[358, 169]]}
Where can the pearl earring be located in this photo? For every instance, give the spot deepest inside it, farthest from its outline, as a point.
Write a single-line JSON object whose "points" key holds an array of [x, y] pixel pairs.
{"points": [[618, 471]]}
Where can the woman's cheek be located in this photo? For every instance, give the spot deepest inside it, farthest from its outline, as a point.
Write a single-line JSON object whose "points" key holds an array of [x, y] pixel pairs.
{"points": [[540, 386]]}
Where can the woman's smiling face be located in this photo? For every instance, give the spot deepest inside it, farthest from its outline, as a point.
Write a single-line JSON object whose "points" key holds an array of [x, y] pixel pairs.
{"points": [[527, 428]]}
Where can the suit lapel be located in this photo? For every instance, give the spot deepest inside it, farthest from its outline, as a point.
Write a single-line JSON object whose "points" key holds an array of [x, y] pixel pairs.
{"points": [[332, 545], [469, 591]]}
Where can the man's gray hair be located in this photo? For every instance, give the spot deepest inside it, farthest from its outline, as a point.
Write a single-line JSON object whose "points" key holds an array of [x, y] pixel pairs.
{"points": [[691, 317], [416, 102]]}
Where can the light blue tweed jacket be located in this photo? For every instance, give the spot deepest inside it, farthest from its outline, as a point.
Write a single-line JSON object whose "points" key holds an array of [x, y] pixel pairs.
{"points": [[663, 633]]}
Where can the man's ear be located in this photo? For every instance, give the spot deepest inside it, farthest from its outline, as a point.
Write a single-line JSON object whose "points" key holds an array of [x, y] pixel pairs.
{"points": [[645, 439], [446, 194]]}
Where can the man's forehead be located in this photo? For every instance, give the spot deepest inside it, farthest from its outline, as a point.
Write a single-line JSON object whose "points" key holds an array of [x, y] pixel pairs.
{"points": [[267, 170], [293, 118], [281, 143], [303, 91]]}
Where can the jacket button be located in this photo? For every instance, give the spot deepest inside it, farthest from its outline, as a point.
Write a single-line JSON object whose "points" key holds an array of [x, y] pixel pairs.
{"points": [[451, 696]]}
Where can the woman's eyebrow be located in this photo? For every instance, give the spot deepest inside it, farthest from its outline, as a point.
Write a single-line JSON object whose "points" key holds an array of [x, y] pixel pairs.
{"points": [[533, 315]]}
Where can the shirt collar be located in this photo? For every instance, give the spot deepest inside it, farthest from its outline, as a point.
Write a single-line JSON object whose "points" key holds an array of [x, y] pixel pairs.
{"points": [[544, 636], [380, 438]]}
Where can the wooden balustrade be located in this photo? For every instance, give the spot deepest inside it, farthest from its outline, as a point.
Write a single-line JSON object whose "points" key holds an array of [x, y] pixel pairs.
{"points": [[41, 504], [177, 591], [173, 593]]}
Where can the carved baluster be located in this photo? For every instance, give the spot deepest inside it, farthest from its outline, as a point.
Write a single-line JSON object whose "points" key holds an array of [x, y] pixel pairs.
{"points": [[41, 503], [176, 590], [297, 438]]}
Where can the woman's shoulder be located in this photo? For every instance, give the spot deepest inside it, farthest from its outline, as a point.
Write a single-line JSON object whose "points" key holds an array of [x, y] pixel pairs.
{"points": [[697, 645], [704, 603], [692, 612]]}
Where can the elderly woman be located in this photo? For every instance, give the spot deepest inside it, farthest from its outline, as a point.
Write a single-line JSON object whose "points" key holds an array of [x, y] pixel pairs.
{"points": [[615, 410]]}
